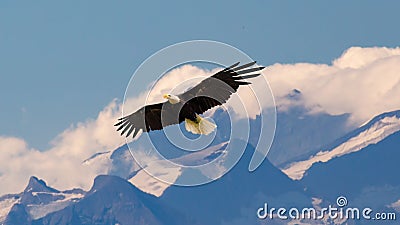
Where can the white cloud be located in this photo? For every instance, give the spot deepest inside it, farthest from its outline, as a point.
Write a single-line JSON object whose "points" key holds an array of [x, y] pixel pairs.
{"points": [[177, 81], [357, 57], [363, 82], [61, 165]]}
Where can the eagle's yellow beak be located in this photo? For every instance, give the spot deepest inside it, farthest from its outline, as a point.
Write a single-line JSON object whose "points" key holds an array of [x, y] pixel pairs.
{"points": [[165, 96]]}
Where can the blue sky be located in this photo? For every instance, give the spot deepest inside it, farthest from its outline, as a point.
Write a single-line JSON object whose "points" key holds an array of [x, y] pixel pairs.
{"points": [[62, 62]]}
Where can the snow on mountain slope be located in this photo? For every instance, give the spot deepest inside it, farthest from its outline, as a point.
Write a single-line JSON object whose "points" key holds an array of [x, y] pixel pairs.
{"points": [[151, 185], [367, 178], [165, 171], [300, 134], [112, 200], [37, 211], [6, 203], [38, 200], [373, 132], [98, 157]]}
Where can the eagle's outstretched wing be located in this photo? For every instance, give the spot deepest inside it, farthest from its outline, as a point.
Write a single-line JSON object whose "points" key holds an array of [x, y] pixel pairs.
{"points": [[149, 117], [211, 92], [146, 118], [218, 88]]}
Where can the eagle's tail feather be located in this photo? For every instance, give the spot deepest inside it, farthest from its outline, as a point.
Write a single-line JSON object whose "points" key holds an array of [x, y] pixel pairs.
{"points": [[205, 126], [192, 126], [201, 126]]}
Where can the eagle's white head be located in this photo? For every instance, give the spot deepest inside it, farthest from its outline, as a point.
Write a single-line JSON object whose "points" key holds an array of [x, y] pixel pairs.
{"points": [[173, 99]]}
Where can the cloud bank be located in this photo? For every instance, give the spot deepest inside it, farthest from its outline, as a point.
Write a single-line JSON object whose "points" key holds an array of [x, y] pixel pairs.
{"points": [[363, 82], [61, 165]]}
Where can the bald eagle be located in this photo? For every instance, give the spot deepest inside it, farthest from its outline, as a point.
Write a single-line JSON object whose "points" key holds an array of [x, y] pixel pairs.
{"points": [[188, 106]]}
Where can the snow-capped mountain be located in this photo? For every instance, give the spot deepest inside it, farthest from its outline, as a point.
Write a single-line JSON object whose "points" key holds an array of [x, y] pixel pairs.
{"points": [[113, 200], [300, 133], [36, 201], [151, 185], [367, 178], [125, 166], [373, 132]]}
